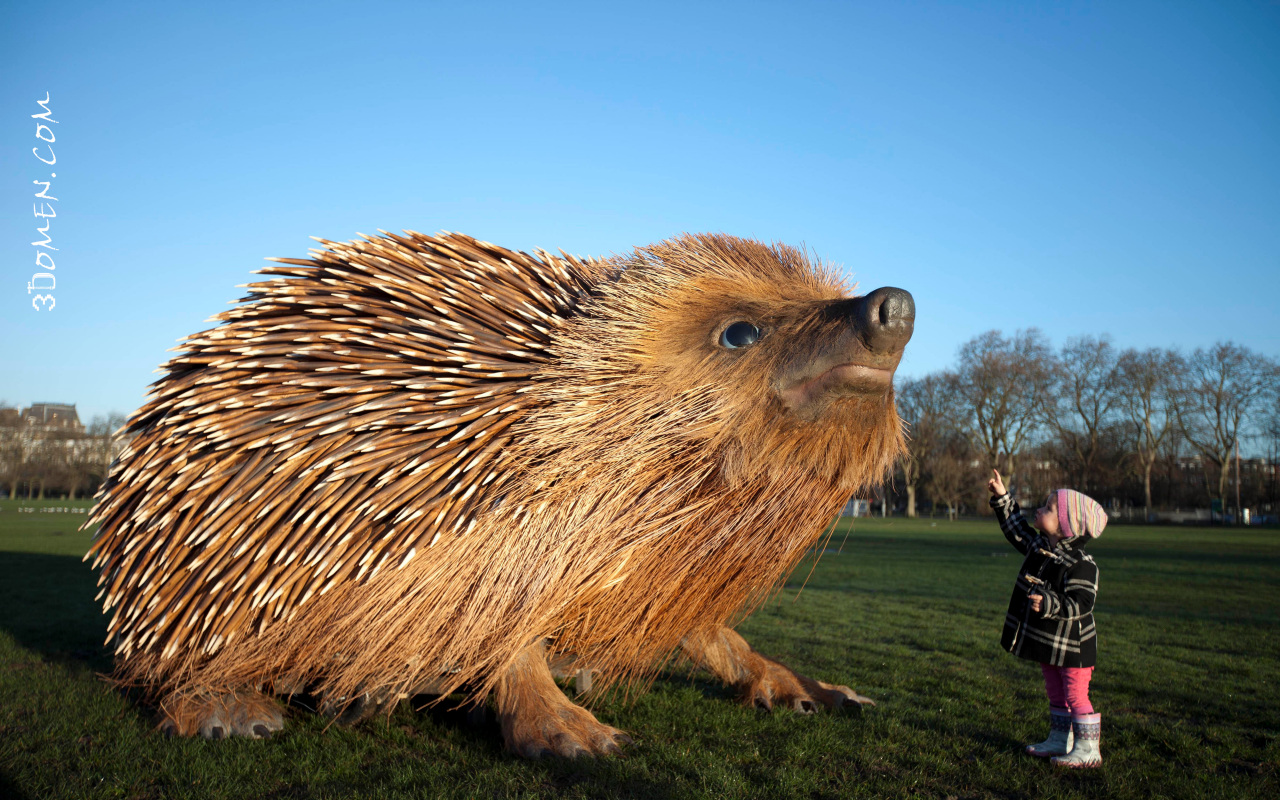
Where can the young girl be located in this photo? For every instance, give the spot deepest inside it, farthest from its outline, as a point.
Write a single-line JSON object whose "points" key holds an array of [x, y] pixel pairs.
{"points": [[1050, 617]]}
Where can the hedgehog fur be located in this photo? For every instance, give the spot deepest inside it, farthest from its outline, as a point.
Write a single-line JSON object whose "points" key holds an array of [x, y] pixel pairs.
{"points": [[399, 462]]}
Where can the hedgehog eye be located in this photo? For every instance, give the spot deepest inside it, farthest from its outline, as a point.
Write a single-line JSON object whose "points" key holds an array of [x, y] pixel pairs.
{"points": [[740, 334]]}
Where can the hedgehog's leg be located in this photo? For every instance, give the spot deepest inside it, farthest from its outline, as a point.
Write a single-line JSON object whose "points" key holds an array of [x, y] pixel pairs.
{"points": [[567, 666], [538, 720], [357, 709], [217, 716], [354, 709], [762, 681]]}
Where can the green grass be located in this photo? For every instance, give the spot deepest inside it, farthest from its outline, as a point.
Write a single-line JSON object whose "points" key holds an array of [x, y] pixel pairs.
{"points": [[908, 613]]}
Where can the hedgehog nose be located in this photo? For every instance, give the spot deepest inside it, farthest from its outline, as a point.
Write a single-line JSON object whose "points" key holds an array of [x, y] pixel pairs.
{"points": [[885, 318]]}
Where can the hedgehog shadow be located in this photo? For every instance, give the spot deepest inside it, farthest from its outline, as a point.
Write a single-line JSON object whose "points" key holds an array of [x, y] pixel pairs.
{"points": [[50, 610]]}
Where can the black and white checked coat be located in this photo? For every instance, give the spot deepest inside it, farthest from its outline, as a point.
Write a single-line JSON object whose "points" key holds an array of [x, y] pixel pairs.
{"points": [[1062, 633]]}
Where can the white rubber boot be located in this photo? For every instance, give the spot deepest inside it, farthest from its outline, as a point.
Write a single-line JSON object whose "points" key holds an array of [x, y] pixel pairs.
{"points": [[1059, 741], [1087, 751]]}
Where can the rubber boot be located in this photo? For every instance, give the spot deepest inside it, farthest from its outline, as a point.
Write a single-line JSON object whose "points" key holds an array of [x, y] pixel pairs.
{"points": [[1059, 741], [1087, 751]]}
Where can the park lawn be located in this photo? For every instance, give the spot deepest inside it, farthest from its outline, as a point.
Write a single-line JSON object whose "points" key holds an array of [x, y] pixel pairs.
{"points": [[907, 611]]}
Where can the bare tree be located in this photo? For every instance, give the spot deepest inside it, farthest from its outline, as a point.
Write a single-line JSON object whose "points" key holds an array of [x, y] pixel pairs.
{"points": [[1042, 471], [951, 474], [42, 465], [930, 406], [106, 438], [1270, 429], [1145, 381], [1004, 383], [64, 448], [1216, 393], [82, 464], [1078, 407]]}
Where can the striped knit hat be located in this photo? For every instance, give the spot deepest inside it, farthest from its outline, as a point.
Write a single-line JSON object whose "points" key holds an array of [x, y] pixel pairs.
{"points": [[1079, 514]]}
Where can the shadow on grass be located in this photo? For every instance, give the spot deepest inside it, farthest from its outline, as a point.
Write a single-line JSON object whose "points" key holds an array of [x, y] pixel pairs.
{"points": [[708, 688], [49, 608], [450, 719], [9, 789]]}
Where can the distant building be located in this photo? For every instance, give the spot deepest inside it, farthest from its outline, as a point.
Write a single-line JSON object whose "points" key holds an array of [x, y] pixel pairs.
{"points": [[856, 507], [52, 417]]}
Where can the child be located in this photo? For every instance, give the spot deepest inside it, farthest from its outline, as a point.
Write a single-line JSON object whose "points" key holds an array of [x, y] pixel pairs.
{"points": [[1050, 618]]}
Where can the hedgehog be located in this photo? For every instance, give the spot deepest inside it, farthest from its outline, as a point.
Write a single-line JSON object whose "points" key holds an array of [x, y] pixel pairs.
{"points": [[426, 463]]}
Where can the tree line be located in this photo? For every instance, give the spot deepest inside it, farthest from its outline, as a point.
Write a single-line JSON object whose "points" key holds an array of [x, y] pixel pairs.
{"points": [[1150, 429]]}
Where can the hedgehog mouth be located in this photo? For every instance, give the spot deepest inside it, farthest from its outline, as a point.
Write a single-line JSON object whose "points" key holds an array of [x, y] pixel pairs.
{"points": [[841, 380]]}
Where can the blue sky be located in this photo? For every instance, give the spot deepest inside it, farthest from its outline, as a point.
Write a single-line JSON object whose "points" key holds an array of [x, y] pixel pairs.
{"points": [[1081, 167]]}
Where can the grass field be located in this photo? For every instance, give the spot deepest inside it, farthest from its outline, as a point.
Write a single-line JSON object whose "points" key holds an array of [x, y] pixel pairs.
{"points": [[909, 612]]}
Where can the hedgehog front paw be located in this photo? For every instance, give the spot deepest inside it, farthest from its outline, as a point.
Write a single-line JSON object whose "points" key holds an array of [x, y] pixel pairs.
{"points": [[777, 685], [567, 731], [216, 716], [538, 720]]}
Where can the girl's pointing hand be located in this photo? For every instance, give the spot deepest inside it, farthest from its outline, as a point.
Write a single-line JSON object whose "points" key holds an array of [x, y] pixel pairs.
{"points": [[996, 484]]}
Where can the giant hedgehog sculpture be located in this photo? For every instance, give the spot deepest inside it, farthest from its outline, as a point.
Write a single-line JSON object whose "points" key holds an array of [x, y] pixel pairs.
{"points": [[427, 463]]}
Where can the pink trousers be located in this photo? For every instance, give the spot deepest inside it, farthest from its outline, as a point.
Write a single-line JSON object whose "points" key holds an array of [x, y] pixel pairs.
{"points": [[1068, 687]]}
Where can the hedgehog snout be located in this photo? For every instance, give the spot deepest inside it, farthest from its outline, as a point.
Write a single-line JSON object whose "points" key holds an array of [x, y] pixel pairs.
{"points": [[860, 361], [884, 319]]}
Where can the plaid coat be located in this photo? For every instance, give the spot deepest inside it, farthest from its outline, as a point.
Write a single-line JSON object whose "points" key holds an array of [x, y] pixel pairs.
{"points": [[1062, 633]]}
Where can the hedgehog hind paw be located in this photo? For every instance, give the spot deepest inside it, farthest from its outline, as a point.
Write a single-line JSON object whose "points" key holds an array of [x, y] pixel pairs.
{"points": [[248, 714]]}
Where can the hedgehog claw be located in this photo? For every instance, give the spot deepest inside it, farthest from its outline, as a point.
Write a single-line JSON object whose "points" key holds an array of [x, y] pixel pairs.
{"points": [[571, 749], [213, 727]]}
